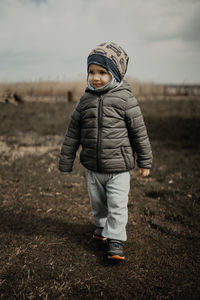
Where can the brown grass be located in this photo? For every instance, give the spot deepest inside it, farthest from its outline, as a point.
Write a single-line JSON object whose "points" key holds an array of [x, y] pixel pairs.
{"points": [[58, 91], [46, 249], [41, 91]]}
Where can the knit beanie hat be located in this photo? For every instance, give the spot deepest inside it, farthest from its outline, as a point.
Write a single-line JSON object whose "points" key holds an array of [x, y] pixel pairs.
{"points": [[111, 57]]}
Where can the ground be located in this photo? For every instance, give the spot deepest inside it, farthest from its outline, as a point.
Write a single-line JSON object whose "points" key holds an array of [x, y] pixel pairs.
{"points": [[46, 248]]}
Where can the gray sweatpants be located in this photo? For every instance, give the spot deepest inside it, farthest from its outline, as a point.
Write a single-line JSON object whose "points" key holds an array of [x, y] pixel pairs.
{"points": [[109, 199]]}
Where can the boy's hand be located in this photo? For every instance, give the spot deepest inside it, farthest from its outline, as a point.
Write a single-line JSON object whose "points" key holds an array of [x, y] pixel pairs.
{"points": [[143, 172]]}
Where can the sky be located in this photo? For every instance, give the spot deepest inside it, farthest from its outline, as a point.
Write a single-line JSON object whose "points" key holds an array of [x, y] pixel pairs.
{"points": [[51, 39]]}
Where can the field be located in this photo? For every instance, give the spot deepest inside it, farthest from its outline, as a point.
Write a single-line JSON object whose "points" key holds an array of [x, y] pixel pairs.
{"points": [[46, 248]]}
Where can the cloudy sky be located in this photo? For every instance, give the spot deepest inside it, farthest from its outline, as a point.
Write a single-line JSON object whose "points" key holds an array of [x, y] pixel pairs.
{"points": [[50, 39]]}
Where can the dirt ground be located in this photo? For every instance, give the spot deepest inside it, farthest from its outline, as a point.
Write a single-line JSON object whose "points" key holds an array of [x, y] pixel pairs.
{"points": [[46, 249]]}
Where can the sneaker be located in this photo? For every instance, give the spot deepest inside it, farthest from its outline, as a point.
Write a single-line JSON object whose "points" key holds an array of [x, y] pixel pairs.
{"points": [[115, 250], [98, 234]]}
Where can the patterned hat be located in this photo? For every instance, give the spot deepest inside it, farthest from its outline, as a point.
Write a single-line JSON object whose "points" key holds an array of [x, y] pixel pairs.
{"points": [[110, 56]]}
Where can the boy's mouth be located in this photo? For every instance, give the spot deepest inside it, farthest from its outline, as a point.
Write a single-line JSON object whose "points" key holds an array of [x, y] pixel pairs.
{"points": [[97, 85]]}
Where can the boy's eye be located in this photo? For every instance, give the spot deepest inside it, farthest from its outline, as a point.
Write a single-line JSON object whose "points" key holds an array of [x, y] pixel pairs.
{"points": [[91, 72], [102, 72]]}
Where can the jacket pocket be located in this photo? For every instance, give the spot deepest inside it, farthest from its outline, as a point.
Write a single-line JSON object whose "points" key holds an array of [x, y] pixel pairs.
{"points": [[128, 158], [125, 158]]}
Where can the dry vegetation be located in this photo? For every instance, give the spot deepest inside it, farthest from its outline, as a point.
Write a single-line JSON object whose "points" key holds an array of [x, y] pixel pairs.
{"points": [[42, 91], [59, 91], [46, 225]]}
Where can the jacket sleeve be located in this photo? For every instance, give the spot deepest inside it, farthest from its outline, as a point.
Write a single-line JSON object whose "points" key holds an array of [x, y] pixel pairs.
{"points": [[138, 134], [71, 143]]}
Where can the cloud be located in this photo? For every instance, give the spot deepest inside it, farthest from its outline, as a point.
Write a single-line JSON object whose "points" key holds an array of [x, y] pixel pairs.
{"points": [[47, 38]]}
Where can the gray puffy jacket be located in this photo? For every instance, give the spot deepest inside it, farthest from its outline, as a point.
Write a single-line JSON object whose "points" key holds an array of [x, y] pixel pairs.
{"points": [[110, 128]]}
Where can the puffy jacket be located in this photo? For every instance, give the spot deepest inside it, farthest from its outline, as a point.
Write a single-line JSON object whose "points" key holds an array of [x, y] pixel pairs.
{"points": [[110, 128]]}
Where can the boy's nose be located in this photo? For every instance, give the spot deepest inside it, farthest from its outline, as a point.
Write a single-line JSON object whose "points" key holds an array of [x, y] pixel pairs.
{"points": [[96, 77]]}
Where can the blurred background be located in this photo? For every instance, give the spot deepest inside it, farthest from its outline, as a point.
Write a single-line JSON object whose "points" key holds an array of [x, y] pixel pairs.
{"points": [[50, 40]]}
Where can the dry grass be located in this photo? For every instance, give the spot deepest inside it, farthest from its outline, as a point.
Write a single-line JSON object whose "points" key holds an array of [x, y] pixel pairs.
{"points": [[46, 248], [37, 91], [58, 91]]}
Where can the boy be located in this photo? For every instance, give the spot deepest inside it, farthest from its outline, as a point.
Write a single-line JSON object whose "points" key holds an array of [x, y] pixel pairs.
{"points": [[109, 126]]}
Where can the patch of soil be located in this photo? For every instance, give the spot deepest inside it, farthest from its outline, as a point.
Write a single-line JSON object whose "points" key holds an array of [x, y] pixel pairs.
{"points": [[46, 224]]}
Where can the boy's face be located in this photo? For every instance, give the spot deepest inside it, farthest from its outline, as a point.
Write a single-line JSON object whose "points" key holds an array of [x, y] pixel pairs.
{"points": [[98, 76]]}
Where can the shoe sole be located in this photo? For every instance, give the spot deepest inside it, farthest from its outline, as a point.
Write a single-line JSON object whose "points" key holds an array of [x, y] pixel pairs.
{"points": [[99, 238], [116, 257]]}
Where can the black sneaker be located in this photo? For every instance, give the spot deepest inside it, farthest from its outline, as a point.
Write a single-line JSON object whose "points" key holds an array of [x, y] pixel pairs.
{"points": [[115, 250], [98, 234]]}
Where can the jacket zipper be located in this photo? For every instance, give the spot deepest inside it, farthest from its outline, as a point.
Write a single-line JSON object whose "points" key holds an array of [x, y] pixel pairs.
{"points": [[99, 133]]}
